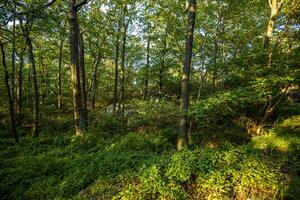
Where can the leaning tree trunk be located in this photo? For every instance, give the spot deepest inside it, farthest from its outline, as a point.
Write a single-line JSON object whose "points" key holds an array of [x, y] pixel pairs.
{"points": [[75, 72], [83, 82], [183, 121], [12, 120], [36, 103]]}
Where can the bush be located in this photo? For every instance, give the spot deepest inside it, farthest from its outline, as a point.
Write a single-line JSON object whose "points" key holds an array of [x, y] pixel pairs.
{"points": [[228, 172], [225, 107], [154, 112]]}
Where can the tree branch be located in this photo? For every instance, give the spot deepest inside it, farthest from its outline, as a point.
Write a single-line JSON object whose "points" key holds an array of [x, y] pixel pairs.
{"points": [[270, 3], [280, 5], [80, 3], [27, 11]]}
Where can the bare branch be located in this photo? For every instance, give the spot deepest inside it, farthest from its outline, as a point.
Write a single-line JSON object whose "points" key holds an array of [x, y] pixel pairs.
{"points": [[270, 3], [280, 5]]}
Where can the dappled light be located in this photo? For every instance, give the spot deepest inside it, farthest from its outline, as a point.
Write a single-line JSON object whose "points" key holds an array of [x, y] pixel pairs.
{"points": [[149, 100]]}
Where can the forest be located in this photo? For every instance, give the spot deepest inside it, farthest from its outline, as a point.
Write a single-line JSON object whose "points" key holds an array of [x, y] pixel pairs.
{"points": [[150, 99]]}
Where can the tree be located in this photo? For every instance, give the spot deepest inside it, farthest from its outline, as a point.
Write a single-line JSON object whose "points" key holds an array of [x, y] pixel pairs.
{"points": [[275, 8], [73, 7], [12, 120], [36, 109], [123, 58], [146, 76], [183, 121], [117, 47], [83, 81], [59, 91]]}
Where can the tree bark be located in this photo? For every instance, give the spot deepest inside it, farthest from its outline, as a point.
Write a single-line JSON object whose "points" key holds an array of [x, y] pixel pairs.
{"points": [[275, 8], [20, 82], [75, 71], [95, 82], [83, 82], [13, 58], [146, 78], [12, 120], [28, 91], [36, 103], [162, 67], [183, 121], [59, 92], [123, 58], [116, 69]]}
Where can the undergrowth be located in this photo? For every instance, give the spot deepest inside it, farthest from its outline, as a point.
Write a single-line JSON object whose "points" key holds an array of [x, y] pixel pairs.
{"points": [[145, 165]]}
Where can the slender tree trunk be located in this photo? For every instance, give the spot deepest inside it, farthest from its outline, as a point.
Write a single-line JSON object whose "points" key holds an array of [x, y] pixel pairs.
{"points": [[123, 58], [275, 8], [36, 103], [28, 92], [59, 92], [13, 58], [95, 82], [47, 83], [146, 78], [83, 82], [12, 120], [183, 121], [190, 136], [116, 69], [20, 83], [216, 54], [75, 72], [162, 67]]}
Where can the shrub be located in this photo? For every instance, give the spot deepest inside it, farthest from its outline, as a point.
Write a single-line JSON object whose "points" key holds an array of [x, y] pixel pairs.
{"points": [[154, 112], [223, 173]]}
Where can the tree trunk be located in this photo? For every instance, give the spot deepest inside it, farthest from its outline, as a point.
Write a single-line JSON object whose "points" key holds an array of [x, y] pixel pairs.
{"points": [[146, 78], [83, 82], [95, 82], [20, 82], [28, 90], [12, 120], [13, 58], [123, 58], [275, 8], [162, 67], [36, 103], [59, 92], [75, 72], [216, 53], [183, 121], [116, 70]]}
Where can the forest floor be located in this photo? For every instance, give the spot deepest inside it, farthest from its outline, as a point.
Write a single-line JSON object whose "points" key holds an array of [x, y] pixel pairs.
{"points": [[145, 165]]}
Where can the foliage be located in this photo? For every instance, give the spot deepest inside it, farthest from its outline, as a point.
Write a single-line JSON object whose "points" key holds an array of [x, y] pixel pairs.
{"points": [[225, 107], [227, 172], [250, 101], [153, 112], [145, 166]]}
